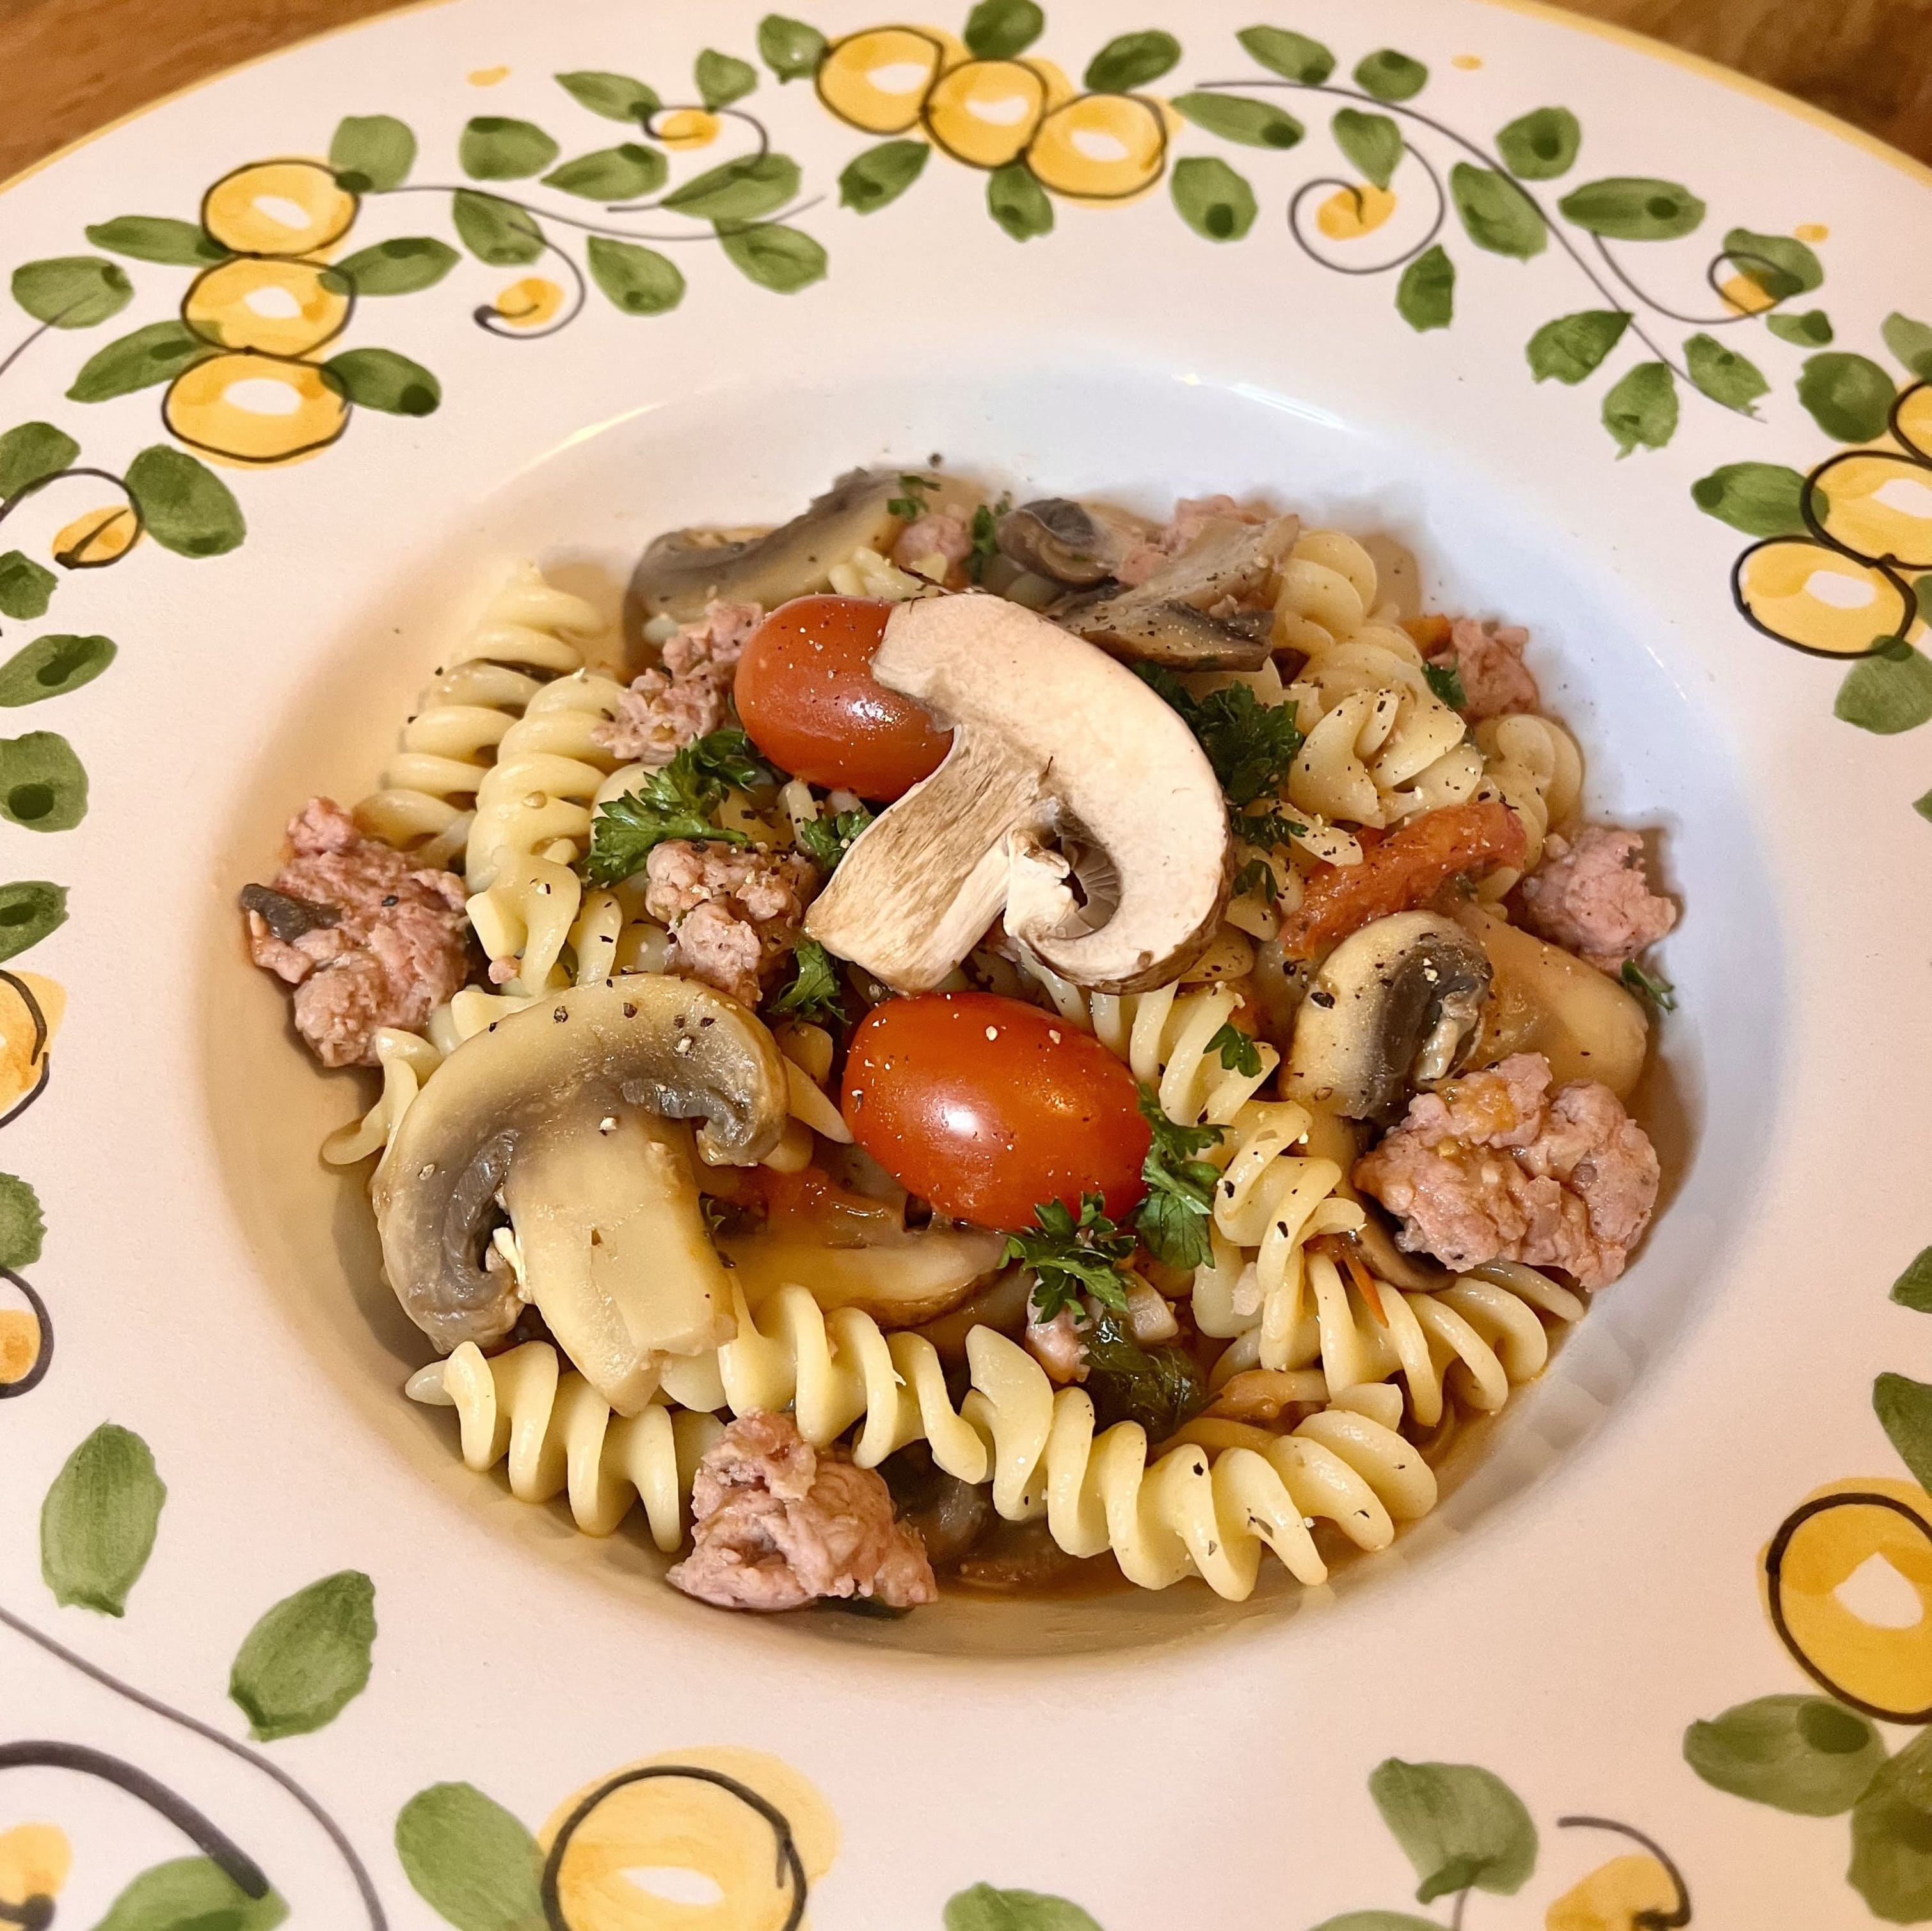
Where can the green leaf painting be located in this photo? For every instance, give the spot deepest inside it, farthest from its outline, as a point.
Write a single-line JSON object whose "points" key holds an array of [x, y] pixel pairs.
{"points": [[881, 174], [1214, 200], [307, 1657], [1641, 410], [98, 1520], [1628, 208], [1913, 1288], [1458, 1825], [1811, 330], [1805, 1754], [1779, 264], [372, 152], [471, 1862], [30, 908], [51, 667], [1372, 141], [792, 49], [72, 291], [1255, 124], [1541, 145], [1294, 56], [188, 509], [1391, 76], [783, 260], [1760, 499], [32, 453], [1133, 61], [1570, 348], [612, 174], [1018, 203], [1378, 1920], [493, 149], [1887, 695], [190, 1894], [156, 353], [1425, 297], [986, 1909], [1497, 214], [1891, 1836], [400, 266], [637, 280], [494, 230], [1911, 342], [25, 588], [43, 787], [615, 96], [158, 238], [23, 1227], [1002, 29], [740, 191], [1850, 397], [381, 379], [723, 78], [1904, 1409], [1723, 375]]}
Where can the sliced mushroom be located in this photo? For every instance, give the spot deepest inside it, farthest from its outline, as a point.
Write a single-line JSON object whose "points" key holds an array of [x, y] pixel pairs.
{"points": [[684, 569], [569, 1113], [901, 1276], [1189, 615], [288, 918], [1394, 1005], [1052, 740], [1076, 544]]}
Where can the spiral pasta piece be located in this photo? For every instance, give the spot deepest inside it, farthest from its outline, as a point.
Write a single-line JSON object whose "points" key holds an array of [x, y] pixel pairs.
{"points": [[407, 1059], [529, 632], [1532, 764]]}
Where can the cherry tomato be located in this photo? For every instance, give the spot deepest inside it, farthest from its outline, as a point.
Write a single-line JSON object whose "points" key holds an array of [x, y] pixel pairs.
{"points": [[806, 693], [987, 1107]]}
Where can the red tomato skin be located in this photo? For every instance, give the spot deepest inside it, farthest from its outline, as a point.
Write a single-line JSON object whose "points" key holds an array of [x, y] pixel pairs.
{"points": [[986, 1107], [805, 692]]}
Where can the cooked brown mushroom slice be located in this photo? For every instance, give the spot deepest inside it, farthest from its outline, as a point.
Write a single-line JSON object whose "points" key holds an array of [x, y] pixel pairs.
{"points": [[1189, 616], [1394, 1005], [901, 1276], [1077, 544], [684, 569], [570, 1114], [1052, 740]]}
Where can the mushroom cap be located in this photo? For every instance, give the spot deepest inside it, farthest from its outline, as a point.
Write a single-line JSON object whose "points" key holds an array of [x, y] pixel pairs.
{"points": [[1397, 1001], [683, 570], [673, 1047], [1078, 544]]}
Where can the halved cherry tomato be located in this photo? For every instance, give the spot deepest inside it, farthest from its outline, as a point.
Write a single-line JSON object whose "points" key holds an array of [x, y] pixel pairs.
{"points": [[806, 692], [987, 1107]]}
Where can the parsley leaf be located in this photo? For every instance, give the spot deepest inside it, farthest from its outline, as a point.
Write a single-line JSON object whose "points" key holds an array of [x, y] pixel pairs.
{"points": [[1069, 1257], [1173, 1219], [676, 802], [1257, 875], [1659, 994], [1268, 829], [1446, 681], [815, 992], [1237, 1051], [911, 506], [1158, 1387], [826, 840], [985, 534], [1250, 744]]}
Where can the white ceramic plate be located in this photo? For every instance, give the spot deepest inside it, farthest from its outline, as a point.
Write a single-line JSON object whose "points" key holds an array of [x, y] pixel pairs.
{"points": [[1697, 1509]]}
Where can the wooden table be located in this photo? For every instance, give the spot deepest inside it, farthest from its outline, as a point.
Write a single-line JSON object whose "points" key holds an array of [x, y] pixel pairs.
{"points": [[72, 64]]}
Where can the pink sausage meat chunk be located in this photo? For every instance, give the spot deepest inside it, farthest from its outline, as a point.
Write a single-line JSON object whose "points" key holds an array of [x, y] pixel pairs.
{"points": [[1487, 1169], [1495, 680], [666, 709], [938, 533], [733, 911], [368, 938], [1591, 897], [777, 1523]]}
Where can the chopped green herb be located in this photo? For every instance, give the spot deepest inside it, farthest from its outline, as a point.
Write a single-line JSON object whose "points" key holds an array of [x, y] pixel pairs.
{"points": [[1158, 1387], [815, 992], [1238, 1052], [1268, 829], [1173, 1219], [1071, 1257], [911, 506], [826, 840], [1446, 681], [1258, 875], [1250, 744], [1658, 993], [985, 534], [726, 758], [678, 802]]}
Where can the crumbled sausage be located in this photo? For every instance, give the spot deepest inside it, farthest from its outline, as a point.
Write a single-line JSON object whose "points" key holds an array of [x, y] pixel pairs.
{"points": [[777, 1524], [938, 533], [368, 938], [1192, 515], [1488, 658], [734, 911], [717, 637], [1487, 1169], [1591, 895], [665, 709], [1057, 1345]]}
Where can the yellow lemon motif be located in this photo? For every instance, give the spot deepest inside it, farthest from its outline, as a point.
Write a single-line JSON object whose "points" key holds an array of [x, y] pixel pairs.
{"points": [[1874, 1658], [19, 1349], [1468, 63], [280, 308], [1817, 600], [878, 79], [486, 77], [278, 207], [1100, 147], [1619, 1896], [985, 112], [1812, 231], [100, 536], [30, 1011], [35, 1860], [1350, 213], [724, 1839], [685, 128], [254, 409], [1911, 419], [1879, 505], [530, 303], [1746, 296]]}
